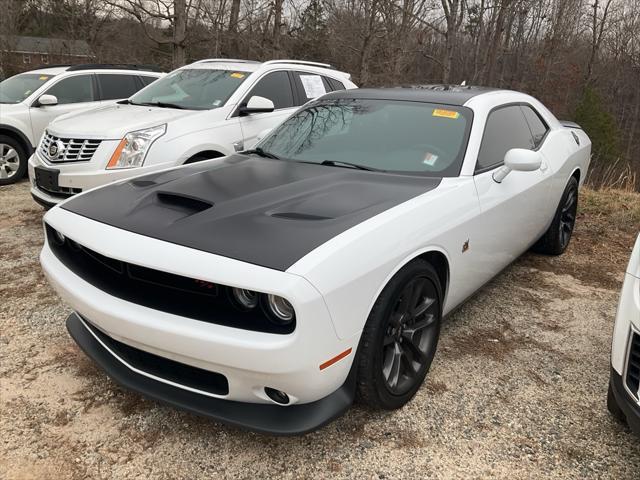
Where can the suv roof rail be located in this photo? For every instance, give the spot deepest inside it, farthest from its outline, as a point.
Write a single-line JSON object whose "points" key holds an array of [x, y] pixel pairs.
{"points": [[118, 66], [225, 60], [57, 65], [300, 62]]}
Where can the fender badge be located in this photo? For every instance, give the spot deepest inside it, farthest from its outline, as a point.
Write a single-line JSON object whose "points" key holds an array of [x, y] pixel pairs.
{"points": [[465, 246]]}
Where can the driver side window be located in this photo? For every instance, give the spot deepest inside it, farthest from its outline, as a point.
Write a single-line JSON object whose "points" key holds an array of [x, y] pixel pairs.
{"points": [[506, 128], [74, 89]]}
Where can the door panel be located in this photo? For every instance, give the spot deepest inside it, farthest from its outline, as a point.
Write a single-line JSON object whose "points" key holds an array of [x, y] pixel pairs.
{"points": [[514, 213]]}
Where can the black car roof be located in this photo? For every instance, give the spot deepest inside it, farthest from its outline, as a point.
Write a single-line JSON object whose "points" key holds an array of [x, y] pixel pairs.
{"points": [[445, 94]]}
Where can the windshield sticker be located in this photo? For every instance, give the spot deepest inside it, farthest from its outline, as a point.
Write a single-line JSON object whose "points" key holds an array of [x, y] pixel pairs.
{"points": [[237, 75], [430, 159], [446, 113], [313, 85], [216, 103], [43, 77]]}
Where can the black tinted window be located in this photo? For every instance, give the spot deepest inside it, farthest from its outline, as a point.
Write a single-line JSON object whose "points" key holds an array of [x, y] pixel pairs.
{"points": [[276, 87], [506, 129], [147, 80], [113, 87], [400, 136], [537, 126], [73, 90], [335, 84]]}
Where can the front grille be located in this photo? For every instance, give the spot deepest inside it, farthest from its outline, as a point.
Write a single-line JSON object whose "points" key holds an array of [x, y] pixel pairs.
{"points": [[68, 149], [166, 292], [176, 372], [633, 366]]}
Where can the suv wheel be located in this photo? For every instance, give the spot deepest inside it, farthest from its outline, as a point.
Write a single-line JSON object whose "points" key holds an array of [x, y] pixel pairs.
{"points": [[13, 160]]}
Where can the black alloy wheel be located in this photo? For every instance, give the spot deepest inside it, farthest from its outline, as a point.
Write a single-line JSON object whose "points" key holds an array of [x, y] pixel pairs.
{"points": [[400, 337], [410, 335]]}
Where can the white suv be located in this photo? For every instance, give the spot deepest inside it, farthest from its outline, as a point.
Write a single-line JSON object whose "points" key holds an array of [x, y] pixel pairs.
{"points": [[208, 109], [29, 101]]}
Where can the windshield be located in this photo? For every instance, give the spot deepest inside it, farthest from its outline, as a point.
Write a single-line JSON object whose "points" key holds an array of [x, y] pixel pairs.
{"points": [[17, 88], [395, 136], [193, 89]]}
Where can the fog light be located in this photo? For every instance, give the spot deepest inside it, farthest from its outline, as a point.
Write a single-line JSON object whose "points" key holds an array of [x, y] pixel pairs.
{"points": [[245, 299], [281, 309], [276, 395]]}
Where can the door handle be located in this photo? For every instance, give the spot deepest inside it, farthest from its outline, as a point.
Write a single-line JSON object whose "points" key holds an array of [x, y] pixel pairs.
{"points": [[238, 146]]}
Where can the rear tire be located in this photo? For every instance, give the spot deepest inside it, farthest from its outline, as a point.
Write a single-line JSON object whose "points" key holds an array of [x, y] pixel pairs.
{"points": [[13, 160], [556, 239], [400, 337]]}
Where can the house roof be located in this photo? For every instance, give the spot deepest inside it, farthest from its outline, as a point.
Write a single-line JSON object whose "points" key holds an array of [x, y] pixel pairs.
{"points": [[59, 46]]}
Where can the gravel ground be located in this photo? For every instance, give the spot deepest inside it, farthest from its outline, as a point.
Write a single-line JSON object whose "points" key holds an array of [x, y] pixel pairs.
{"points": [[517, 389]]}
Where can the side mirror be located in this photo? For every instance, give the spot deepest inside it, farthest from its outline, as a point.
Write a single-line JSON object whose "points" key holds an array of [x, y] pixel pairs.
{"points": [[46, 100], [263, 134], [519, 160], [256, 104]]}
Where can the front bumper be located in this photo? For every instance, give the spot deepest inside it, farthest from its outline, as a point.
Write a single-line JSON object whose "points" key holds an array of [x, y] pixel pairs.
{"points": [[272, 419], [250, 360], [626, 402]]}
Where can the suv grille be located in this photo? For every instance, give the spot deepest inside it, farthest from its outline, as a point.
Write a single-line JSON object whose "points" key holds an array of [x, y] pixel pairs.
{"points": [[633, 367], [60, 150], [166, 292]]}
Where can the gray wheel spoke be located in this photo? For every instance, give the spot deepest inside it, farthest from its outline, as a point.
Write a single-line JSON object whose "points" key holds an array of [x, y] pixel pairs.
{"points": [[416, 354], [9, 161], [410, 330], [423, 307], [391, 368]]}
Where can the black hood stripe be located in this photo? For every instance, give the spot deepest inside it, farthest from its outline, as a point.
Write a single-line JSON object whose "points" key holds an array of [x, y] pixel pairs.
{"points": [[261, 211]]}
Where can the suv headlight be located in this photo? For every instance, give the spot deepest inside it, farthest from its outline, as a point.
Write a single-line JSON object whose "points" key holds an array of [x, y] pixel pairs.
{"points": [[133, 148]]}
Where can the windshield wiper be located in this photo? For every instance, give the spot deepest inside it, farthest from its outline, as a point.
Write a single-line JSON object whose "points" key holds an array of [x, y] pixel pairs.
{"points": [[262, 153], [160, 104], [339, 163]]}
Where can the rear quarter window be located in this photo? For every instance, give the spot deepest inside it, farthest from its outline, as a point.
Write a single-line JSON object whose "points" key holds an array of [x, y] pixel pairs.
{"points": [[114, 86]]}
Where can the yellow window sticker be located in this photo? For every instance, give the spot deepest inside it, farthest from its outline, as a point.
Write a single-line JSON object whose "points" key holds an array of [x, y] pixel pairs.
{"points": [[237, 75], [43, 77], [438, 112]]}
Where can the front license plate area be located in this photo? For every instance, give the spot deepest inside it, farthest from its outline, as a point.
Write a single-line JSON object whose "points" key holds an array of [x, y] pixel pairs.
{"points": [[47, 178]]}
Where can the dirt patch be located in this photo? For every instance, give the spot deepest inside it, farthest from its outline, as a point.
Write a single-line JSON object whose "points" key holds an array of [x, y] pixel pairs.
{"points": [[516, 390]]}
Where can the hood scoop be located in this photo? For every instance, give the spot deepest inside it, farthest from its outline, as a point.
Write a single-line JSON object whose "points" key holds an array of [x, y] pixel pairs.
{"points": [[181, 203]]}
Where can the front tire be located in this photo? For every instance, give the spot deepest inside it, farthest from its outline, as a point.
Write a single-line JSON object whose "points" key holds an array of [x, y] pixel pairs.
{"points": [[13, 160], [400, 337], [556, 239]]}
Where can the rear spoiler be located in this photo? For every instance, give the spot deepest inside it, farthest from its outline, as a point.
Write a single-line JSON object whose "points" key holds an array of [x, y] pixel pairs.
{"points": [[568, 124]]}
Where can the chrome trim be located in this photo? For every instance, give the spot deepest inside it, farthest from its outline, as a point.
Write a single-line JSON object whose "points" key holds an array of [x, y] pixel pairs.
{"points": [[141, 372], [68, 149]]}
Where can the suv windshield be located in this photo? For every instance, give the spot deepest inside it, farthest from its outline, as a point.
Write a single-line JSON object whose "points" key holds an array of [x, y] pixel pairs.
{"points": [[389, 135], [193, 89], [17, 88]]}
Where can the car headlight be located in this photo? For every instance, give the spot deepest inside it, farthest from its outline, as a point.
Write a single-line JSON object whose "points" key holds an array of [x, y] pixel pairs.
{"points": [[133, 148], [280, 310]]}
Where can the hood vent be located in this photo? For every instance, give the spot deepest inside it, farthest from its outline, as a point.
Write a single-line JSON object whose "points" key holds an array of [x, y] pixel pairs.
{"points": [[183, 203], [299, 216]]}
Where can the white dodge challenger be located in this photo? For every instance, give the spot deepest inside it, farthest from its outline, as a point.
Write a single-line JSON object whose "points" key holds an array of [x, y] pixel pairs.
{"points": [[270, 288]]}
